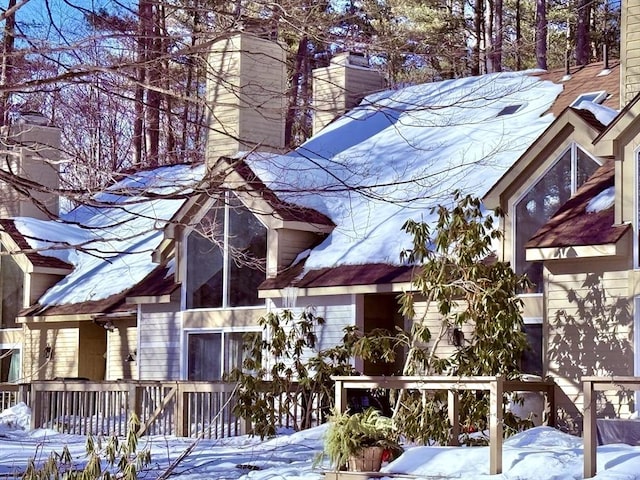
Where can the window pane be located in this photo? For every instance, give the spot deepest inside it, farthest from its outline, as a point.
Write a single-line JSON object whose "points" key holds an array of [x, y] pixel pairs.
{"points": [[204, 354], [205, 262], [235, 352], [586, 166], [532, 359], [535, 208], [11, 287], [248, 250]]}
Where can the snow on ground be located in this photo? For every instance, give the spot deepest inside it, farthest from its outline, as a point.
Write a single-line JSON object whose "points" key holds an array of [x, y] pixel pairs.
{"points": [[541, 453]]}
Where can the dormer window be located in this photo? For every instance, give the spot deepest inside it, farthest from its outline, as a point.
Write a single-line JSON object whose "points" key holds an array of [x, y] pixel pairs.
{"points": [[593, 97], [226, 254]]}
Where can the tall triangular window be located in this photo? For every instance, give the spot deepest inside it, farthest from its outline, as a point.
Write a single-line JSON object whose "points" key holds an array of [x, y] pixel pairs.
{"points": [[543, 199]]}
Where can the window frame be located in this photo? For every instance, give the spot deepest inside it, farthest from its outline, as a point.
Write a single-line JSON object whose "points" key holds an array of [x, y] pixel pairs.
{"points": [[537, 321], [636, 210], [573, 148], [600, 96], [223, 333], [226, 257], [12, 346]]}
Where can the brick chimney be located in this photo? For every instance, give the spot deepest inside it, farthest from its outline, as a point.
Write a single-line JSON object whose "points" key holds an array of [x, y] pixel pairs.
{"points": [[246, 89], [341, 86], [32, 153], [629, 51]]}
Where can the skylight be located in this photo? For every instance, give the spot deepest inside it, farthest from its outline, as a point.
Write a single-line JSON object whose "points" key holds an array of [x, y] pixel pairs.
{"points": [[509, 110], [594, 97]]}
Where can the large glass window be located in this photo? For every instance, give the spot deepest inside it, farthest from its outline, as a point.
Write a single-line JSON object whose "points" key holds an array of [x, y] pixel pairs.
{"points": [[9, 364], [543, 199], [211, 355], [226, 257], [11, 289]]}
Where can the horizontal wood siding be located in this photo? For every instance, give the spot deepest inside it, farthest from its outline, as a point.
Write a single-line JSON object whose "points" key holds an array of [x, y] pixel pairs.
{"points": [[589, 331], [329, 100], [92, 351], [433, 319], [249, 105], [122, 341], [64, 340], [40, 283], [630, 51], [159, 342], [338, 312], [291, 243]]}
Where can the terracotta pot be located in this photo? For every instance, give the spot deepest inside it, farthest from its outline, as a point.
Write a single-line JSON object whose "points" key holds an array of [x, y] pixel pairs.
{"points": [[368, 460]]}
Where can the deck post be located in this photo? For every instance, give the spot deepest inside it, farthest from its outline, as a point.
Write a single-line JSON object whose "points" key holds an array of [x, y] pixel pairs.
{"points": [[589, 430], [341, 396], [23, 393], [454, 417], [496, 394]]}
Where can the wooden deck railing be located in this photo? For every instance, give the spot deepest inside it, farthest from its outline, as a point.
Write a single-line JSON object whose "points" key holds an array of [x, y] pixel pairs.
{"points": [[590, 387], [496, 386], [11, 394], [181, 408]]}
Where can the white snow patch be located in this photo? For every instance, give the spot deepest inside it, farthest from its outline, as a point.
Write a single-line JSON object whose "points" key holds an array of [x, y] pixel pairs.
{"points": [[602, 201]]}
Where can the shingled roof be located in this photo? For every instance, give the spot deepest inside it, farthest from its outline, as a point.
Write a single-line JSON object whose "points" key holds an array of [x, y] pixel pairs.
{"points": [[574, 225], [584, 79], [36, 259]]}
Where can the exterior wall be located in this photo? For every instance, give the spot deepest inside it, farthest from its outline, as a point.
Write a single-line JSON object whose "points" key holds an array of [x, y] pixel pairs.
{"points": [[340, 87], [159, 333], [433, 319], [284, 245], [247, 107], [63, 338], [39, 283], [588, 331], [338, 311], [92, 351], [36, 145], [122, 341], [629, 52]]}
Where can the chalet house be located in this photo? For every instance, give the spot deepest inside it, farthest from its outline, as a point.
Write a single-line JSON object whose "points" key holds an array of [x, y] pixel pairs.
{"points": [[164, 272]]}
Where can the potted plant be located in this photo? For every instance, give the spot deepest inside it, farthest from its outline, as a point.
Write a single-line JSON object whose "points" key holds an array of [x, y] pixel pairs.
{"points": [[361, 440]]}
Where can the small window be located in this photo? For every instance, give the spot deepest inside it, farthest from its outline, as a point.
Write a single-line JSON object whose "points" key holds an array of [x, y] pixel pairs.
{"points": [[509, 110], [594, 97], [531, 360], [9, 365]]}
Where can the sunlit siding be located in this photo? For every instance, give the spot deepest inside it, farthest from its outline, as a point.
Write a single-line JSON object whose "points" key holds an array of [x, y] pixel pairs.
{"points": [[122, 342], [630, 51], [338, 312], [159, 342], [63, 340], [589, 332]]}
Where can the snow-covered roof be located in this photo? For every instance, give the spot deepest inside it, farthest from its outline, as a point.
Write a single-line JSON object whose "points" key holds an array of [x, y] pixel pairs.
{"points": [[110, 241], [401, 153], [395, 157]]}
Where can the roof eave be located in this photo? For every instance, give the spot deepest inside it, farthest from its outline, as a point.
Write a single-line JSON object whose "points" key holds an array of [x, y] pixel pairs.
{"points": [[572, 252]]}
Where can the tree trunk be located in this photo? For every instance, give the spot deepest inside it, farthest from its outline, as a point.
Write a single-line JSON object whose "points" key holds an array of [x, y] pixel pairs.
{"points": [[7, 61], [518, 36], [296, 86], [144, 14], [541, 34], [497, 36], [582, 32], [153, 95], [477, 24]]}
